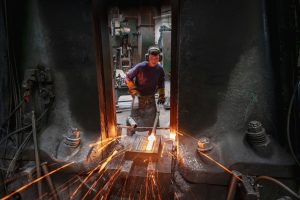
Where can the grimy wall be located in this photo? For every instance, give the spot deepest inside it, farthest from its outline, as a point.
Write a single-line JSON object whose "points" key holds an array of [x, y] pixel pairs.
{"points": [[225, 77]]}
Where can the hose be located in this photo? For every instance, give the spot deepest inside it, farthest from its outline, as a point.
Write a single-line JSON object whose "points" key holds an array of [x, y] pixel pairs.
{"points": [[288, 125], [12, 113], [19, 151], [278, 183], [22, 146], [23, 128]]}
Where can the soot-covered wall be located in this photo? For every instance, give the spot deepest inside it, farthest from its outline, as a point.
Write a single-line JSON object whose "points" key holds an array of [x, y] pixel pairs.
{"points": [[60, 36], [225, 78]]}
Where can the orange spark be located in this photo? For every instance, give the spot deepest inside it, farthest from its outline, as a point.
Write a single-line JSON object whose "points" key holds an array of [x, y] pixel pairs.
{"points": [[93, 185], [177, 146], [35, 181], [124, 186], [81, 184], [66, 185], [111, 180], [109, 140], [88, 176], [162, 150], [146, 186], [107, 160], [220, 165], [62, 187], [152, 187]]}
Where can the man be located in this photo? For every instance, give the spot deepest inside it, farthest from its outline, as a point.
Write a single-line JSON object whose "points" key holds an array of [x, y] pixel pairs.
{"points": [[144, 80]]}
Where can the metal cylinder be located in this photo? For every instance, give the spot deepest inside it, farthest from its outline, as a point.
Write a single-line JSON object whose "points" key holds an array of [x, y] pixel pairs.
{"points": [[131, 122], [73, 139]]}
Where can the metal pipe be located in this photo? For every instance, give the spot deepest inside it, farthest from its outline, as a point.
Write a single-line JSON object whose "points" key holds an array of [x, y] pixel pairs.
{"points": [[232, 186], [156, 121], [49, 180], [297, 196], [144, 127], [37, 157], [131, 121]]}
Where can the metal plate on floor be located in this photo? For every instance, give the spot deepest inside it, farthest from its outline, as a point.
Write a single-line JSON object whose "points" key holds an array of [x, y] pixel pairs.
{"points": [[139, 150]]}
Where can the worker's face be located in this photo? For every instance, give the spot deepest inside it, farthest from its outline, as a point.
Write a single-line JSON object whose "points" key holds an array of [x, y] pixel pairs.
{"points": [[153, 60]]}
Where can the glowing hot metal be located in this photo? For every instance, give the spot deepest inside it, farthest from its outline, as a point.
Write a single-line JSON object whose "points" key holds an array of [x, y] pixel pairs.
{"points": [[151, 140], [144, 148]]}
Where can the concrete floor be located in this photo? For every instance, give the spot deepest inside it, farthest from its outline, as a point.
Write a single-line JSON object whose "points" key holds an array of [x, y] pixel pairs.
{"points": [[124, 105]]}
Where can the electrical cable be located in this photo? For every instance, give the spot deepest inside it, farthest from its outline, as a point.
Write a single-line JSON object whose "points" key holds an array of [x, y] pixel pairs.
{"points": [[278, 183], [23, 128], [288, 125], [14, 85], [8, 119], [12, 113], [22, 145], [20, 149]]}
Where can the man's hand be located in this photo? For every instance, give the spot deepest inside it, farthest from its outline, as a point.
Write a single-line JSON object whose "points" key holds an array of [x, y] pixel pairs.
{"points": [[131, 88], [161, 99], [133, 92]]}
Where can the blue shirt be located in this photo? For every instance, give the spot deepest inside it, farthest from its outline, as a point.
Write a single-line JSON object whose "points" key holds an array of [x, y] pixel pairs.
{"points": [[147, 79]]}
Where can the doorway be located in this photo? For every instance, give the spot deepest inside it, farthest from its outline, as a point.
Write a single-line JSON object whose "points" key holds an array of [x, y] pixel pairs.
{"points": [[122, 39], [133, 29]]}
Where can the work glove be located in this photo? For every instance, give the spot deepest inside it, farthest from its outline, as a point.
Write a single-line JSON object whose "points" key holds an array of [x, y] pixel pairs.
{"points": [[161, 100], [161, 97], [132, 90]]}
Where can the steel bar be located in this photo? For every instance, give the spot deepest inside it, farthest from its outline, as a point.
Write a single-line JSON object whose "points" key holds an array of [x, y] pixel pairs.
{"points": [[49, 180], [156, 121], [143, 127], [37, 157]]}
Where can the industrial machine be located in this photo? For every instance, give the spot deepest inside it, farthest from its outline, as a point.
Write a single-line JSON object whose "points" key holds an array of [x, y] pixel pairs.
{"points": [[234, 121]]}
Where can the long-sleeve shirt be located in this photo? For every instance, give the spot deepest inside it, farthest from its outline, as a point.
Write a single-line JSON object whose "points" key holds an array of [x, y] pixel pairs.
{"points": [[147, 79]]}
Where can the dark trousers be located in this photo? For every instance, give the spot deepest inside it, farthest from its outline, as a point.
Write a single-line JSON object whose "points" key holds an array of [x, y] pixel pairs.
{"points": [[144, 115]]}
